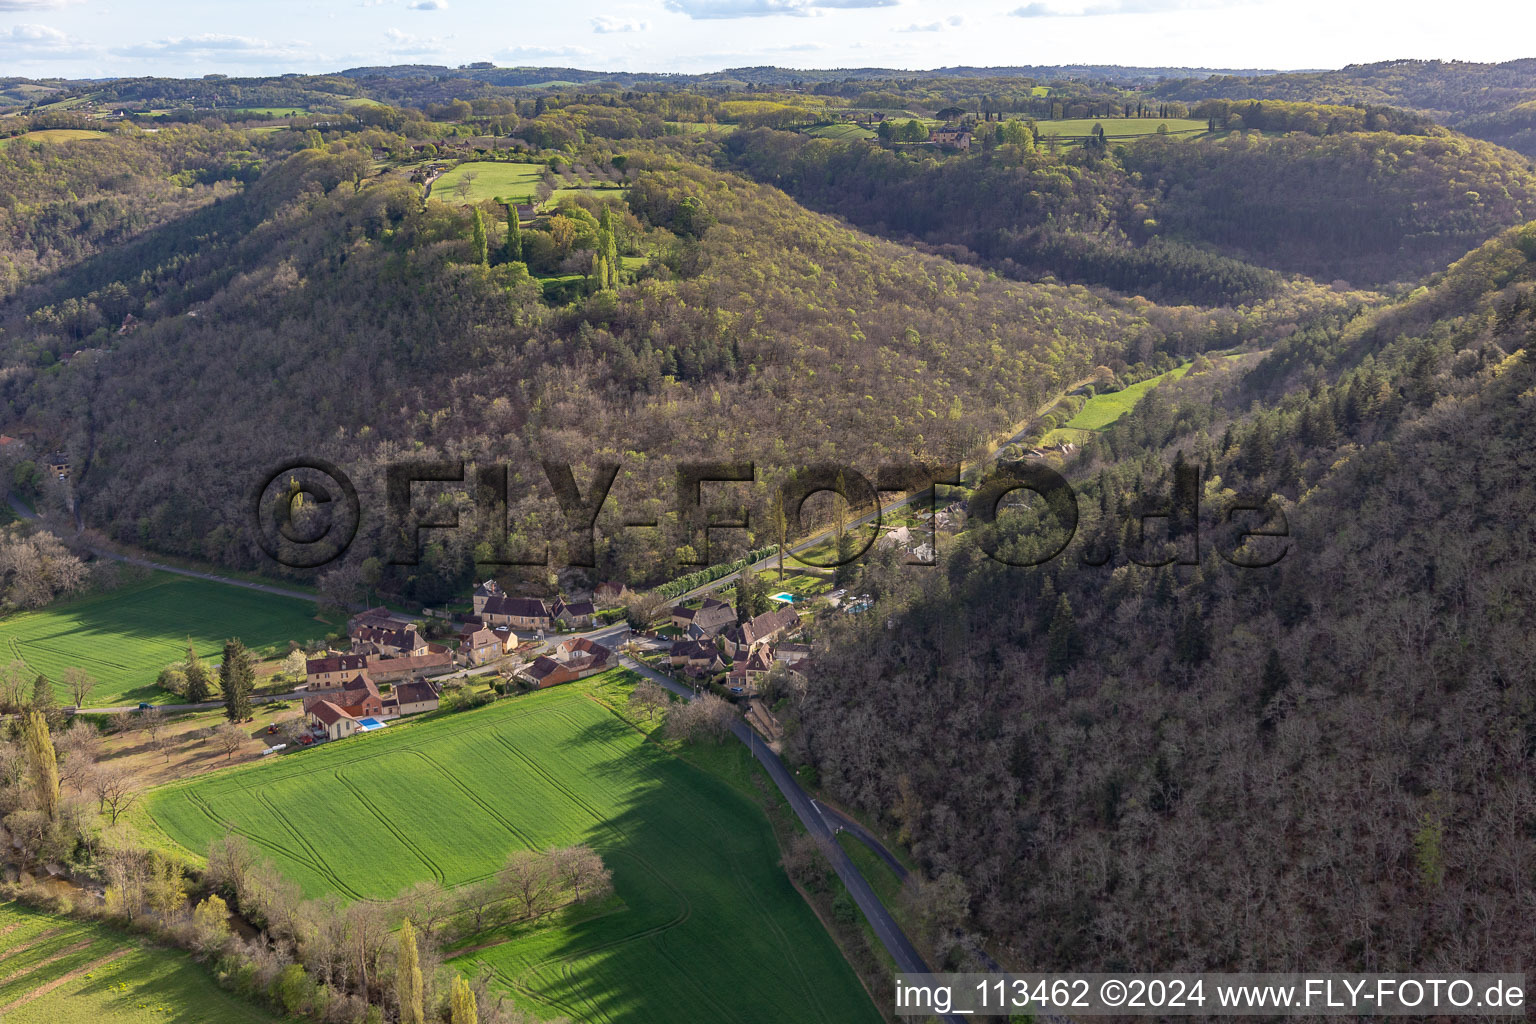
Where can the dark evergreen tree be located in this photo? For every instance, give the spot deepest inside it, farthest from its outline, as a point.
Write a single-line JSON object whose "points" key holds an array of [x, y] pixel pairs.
{"points": [[237, 678]]}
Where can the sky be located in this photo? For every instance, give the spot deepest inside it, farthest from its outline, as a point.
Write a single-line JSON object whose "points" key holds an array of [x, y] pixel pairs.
{"points": [[100, 38]]}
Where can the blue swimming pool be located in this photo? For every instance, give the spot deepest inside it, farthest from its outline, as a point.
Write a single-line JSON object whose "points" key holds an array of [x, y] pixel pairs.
{"points": [[785, 596]]}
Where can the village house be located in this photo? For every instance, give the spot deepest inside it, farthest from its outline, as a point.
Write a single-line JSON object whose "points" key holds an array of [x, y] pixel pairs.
{"points": [[951, 137], [696, 657], [790, 654], [479, 645], [333, 670], [402, 642], [577, 658], [484, 592], [748, 667], [610, 595], [577, 614], [761, 629], [377, 617], [415, 697], [58, 465], [516, 612], [359, 698], [327, 718], [705, 621]]}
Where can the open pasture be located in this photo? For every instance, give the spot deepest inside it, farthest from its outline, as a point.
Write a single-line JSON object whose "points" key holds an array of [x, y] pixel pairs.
{"points": [[1119, 127], [705, 924], [125, 636], [55, 969]]}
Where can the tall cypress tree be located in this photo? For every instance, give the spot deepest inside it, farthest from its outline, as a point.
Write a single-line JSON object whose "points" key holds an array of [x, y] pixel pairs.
{"points": [[237, 677]]}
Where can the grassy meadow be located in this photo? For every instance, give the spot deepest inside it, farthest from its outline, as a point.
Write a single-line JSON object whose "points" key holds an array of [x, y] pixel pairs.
{"points": [[55, 970], [840, 131], [123, 637], [490, 179], [1119, 127], [705, 925], [57, 135]]}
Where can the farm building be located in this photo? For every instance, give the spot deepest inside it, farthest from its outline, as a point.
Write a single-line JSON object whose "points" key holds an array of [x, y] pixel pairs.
{"points": [[333, 669], [435, 662]]}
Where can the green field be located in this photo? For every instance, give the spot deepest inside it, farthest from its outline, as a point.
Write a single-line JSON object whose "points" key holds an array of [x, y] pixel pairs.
{"points": [[491, 179], [705, 924], [57, 135], [700, 128], [840, 131], [55, 970], [124, 637], [1102, 410], [270, 111], [1119, 127]]}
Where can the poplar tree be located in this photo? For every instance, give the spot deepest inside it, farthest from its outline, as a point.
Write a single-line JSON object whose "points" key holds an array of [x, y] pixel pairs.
{"points": [[44, 761], [462, 1003], [512, 248], [237, 677], [408, 977], [481, 253]]}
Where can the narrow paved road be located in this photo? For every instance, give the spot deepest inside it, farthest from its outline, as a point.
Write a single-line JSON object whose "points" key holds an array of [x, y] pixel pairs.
{"points": [[895, 941], [882, 510]]}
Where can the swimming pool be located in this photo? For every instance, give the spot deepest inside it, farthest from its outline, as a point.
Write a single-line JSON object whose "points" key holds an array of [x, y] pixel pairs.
{"points": [[784, 596]]}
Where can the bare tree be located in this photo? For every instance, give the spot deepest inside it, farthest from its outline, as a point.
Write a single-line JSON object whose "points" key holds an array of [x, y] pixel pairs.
{"points": [[149, 721], [79, 683], [428, 904], [581, 871], [529, 881], [14, 680], [114, 788], [229, 737], [648, 698]]}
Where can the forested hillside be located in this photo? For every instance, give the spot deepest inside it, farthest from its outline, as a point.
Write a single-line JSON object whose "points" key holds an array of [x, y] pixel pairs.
{"points": [[1327, 763], [1476, 98], [326, 312], [1203, 220]]}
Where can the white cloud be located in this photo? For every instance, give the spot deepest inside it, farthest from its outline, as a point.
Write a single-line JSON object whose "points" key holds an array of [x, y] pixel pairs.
{"points": [[720, 9], [404, 43], [604, 24], [428, 5], [34, 5], [214, 46], [935, 26], [1041, 10], [534, 53], [40, 42]]}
